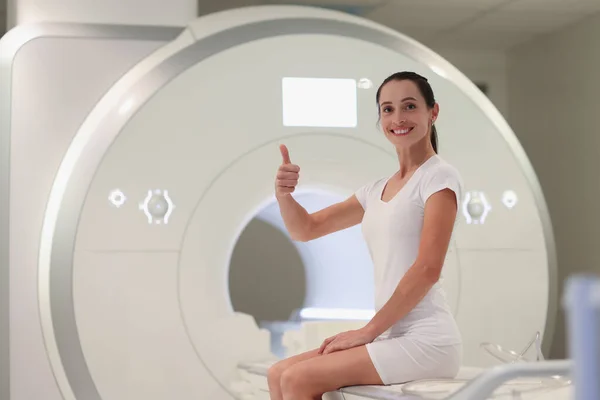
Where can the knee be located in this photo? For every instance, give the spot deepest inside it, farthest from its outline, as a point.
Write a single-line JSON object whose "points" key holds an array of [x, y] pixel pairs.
{"points": [[274, 373], [295, 381]]}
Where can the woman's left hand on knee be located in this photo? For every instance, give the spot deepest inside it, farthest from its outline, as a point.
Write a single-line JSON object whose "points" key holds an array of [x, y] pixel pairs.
{"points": [[346, 340]]}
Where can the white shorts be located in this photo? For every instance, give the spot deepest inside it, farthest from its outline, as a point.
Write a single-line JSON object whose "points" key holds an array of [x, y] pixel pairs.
{"points": [[403, 359]]}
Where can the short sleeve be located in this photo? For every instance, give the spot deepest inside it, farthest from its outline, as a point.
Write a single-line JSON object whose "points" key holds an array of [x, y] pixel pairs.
{"points": [[364, 193], [442, 177]]}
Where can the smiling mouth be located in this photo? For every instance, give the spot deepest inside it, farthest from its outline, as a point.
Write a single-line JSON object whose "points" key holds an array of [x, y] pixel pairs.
{"points": [[401, 132]]}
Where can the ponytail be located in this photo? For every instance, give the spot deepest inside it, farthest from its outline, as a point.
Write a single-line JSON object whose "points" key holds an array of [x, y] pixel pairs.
{"points": [[434, 138]]}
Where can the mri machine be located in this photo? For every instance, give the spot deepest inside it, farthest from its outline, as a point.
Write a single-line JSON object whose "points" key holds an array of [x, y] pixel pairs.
{"points": [[137, 155]]}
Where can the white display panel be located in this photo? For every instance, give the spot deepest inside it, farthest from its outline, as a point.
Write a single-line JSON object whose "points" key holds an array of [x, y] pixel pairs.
{"points": [[319, 102]]}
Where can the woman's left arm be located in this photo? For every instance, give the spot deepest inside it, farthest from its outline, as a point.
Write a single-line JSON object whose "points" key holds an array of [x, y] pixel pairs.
{"points": [[438, 222]]}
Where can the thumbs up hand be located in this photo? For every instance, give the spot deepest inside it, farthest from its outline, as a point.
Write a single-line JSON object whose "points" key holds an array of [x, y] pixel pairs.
{"points": [[287, 174]]}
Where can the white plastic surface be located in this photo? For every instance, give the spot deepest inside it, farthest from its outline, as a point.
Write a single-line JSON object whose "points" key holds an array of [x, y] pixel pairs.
{"points": [[48, 98], [126, 12]]}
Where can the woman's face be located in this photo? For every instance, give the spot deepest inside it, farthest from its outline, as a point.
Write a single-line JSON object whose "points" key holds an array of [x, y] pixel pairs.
{"points": [[405, 117]]}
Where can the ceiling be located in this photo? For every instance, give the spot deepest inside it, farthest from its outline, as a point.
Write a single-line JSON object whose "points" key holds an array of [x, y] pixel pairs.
{"points": [[460, 24]]}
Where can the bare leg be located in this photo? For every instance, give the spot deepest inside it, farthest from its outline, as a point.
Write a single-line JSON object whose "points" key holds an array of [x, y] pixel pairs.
{"points": [[277, 369], [310, 378]]}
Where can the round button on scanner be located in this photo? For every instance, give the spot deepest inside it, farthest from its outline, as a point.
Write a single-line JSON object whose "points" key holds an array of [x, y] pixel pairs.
{"points": [[157, 206], [365, 83], [476, 207], [509, 199], [117, 198]]}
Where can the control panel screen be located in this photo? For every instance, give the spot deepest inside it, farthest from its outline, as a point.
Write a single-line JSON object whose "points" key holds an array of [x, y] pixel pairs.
{"points": [[319, 102]]}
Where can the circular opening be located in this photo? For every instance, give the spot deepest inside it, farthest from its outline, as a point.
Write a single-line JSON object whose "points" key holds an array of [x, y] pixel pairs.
{"points": [[266, 274], [267, 279], [281, 282]]}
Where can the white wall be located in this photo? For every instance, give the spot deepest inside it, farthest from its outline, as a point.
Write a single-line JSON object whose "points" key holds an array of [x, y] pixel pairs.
{"points": [[132, 12], [488, 67], [554, 108]]}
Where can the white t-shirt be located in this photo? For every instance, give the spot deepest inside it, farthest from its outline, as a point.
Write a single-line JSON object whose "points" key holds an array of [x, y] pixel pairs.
{"points": [[392, 231]]}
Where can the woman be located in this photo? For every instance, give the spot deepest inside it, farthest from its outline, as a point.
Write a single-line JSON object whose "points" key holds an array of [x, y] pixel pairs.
{"points": [[407, 220]]}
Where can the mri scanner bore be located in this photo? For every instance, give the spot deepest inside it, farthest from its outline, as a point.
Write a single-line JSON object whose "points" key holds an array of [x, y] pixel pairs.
{"points": [[131, 308]]}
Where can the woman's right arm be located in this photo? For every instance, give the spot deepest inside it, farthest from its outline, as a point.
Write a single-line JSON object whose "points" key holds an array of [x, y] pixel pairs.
{"points": [[301, 225]]}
